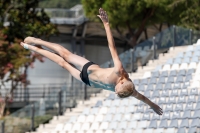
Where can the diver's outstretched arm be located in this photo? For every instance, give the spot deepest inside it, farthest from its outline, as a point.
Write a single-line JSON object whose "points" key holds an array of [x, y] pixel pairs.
{"points": [[154, 106], [111, 43]]}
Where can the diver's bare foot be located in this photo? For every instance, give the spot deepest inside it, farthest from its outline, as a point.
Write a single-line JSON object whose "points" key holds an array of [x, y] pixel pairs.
{"points": [[30, 47], [30, 40], [26, 46]]}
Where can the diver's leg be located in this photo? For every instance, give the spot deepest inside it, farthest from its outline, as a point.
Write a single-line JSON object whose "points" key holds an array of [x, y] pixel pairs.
{"points": [[76, 60], [57, 59]]}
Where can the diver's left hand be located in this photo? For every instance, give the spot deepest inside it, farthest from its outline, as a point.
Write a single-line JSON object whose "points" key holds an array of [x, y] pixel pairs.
{"points": [[157, 109]]}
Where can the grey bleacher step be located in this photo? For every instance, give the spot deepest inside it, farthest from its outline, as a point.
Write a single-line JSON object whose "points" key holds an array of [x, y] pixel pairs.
{"points": [[136, 76], [47, 128], [177, 48], [145, 68], [63, 120], [166, 57], [157, 61], [155, 65]]}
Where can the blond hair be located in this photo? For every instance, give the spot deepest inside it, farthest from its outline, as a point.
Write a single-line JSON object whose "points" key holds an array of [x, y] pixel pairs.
{"points": [[126, 89]]}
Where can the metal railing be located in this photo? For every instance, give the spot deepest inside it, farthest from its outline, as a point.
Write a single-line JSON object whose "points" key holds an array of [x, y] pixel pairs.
{"points": [[72, 16], [53, 103], [73, 12]]}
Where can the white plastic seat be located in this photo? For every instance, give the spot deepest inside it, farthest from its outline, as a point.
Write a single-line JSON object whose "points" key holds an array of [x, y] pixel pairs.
{"points": [[117, 117], [159, 130], [94, 111], [166, 67], [136, 116], [112, 110], [122, 125], [132, 125], [108, 117], [198, 65], [180, 55], [121, 109], [188, 54], [197, 48], [73, 119], [99, 118], [81, 118], [79, 132], [103, 110], [175, 67], [71, 132], [90, 118], [99, 131], [90, 131], [86, 111], [196, 53], [148, 131], [129, 131], [113, 125], [178, 60], [142, 124], [59, 127], [116, 102], [192, 65], [184, 66], [68, 127], [76, 126], [127, 117], [195, 58], [170, 61], [158, 68], [124, 102], [104, 125], [94, 126], [133, 101], [147, 75], [195, 84], [138, 131], [170, 130], [108, 131], [130, 109], [61, 132], [107, 103], [119, 131], [198, 42], [85, 127], [190, 48]]}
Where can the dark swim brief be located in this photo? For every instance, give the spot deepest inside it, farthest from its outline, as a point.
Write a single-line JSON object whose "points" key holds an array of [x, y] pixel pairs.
{"points": [[84, 74]]}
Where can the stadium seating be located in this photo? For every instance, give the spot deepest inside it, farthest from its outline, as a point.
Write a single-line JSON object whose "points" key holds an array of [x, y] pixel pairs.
{"points": [[173, 85]]}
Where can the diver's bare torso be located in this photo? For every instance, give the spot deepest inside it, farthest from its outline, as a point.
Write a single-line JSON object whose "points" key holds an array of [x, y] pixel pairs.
{"points": [[105, 78]]}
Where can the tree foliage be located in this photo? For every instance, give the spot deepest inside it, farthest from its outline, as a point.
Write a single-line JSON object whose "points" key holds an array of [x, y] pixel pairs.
{"points": [[189, 17], [137, 15], [19, 19]]}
